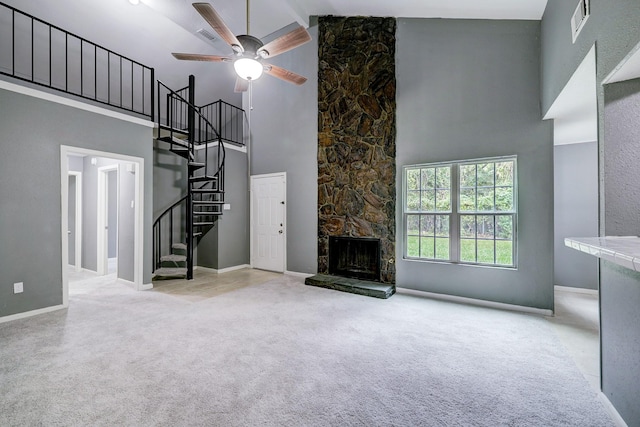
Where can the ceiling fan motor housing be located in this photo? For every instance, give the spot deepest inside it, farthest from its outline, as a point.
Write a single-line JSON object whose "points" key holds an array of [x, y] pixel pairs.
{"points": [[251, 45]]}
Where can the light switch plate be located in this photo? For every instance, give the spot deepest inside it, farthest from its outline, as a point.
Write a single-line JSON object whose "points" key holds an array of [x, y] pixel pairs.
{"points": [[226, 206], [18, 288]]}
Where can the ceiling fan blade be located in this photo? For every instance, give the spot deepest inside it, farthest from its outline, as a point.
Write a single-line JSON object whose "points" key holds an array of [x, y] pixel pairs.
{"points": [[286, 75], [242, 85], [196, 57], [211, 16], [285, 43]]}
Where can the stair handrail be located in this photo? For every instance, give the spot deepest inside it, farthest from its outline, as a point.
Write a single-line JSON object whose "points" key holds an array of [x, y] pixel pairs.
{"points": [[157, 232]]}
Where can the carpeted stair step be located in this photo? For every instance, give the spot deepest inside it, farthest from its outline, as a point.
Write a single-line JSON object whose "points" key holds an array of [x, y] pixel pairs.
{"points": [[179, 249], [173, 261], [354, 286], [166, 273]]}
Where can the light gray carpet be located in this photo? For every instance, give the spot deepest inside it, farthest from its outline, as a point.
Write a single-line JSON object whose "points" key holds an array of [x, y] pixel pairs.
{"points": [[286, 354]]}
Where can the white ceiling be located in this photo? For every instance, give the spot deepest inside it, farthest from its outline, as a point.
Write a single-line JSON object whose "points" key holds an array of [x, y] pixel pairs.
{"points": [[269, 16]]}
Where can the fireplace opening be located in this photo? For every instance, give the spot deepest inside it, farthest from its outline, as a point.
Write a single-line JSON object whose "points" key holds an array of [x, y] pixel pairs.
{"points": [[355, 257]]}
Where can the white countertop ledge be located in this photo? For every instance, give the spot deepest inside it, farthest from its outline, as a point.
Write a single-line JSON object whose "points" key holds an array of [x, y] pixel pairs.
{"points": [[621, 250]]}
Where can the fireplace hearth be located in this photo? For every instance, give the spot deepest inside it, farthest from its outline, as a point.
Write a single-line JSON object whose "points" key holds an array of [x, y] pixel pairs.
{"points": [[355, 257]]}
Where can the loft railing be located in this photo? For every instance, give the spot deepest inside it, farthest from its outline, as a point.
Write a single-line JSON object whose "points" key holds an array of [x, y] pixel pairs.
{"points": [[43, 54], [229, 120]]}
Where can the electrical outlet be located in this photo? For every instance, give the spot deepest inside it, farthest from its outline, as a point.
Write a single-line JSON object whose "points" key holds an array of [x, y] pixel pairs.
{"points": [[226, 206], [18, 288]]}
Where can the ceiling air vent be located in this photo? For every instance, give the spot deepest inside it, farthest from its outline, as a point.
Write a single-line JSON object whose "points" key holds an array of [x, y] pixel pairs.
{"points": [[579, 18], [206, 34]]}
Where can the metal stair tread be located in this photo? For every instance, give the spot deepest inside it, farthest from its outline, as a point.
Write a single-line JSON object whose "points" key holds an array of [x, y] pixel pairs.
{"points": [[174, 130], [169, 273], [202, 178], [206, 190], [173, 257], [208, 202], [179, 246], [202, 224], [207, 213]]}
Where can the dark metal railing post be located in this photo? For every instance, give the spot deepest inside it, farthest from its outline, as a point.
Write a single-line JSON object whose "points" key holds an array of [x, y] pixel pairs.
{"points": [[191, 127], [153, 111]]}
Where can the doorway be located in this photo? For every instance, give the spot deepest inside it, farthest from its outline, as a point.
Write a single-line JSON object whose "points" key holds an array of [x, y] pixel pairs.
{"points": [[131, 225], [107, 238], [268, 222]]}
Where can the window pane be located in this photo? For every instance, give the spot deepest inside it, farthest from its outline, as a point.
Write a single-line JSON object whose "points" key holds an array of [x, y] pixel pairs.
{"points": [[504, 227], [413, 179], [467, 200], [413, 248], [485, 199], [427, 225], [428, 201], [443, 201], [485, 174], [467, 175], [504, 173], [442, 225], [442, 249], [426, 247], [485, 227], [468, 250], [443, 178], [428, 178], [504, 252], [504, 199], [468, 226], [413, 200], [486, 251], [412, 225]]}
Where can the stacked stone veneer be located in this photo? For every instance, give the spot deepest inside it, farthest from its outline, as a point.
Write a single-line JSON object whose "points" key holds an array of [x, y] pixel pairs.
{"points": [[357, 134]]}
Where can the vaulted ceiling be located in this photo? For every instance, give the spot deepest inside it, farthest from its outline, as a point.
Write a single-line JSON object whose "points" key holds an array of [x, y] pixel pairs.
{"points": [[150, 31]]}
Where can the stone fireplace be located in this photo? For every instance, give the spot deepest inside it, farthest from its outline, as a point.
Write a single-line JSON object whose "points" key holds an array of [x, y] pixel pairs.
{"points": [[357, 137]]}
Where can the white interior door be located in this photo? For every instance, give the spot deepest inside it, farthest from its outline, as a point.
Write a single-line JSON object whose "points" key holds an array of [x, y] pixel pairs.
{"points": [[268, 225]]}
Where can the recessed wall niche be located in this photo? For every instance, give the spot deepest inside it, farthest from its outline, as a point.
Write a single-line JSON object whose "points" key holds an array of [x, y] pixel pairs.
{"points": [[357, 134]]}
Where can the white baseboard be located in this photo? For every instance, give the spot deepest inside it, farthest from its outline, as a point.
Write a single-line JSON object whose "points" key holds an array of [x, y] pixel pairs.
{"points": [[146, 286], [478, 302], [575, 290], [31, 313], [613, 412], [296, 274], [222, 270]]}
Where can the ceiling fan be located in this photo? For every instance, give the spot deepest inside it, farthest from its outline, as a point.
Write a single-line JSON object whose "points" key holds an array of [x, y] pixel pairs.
{"points": [[249, 52]]}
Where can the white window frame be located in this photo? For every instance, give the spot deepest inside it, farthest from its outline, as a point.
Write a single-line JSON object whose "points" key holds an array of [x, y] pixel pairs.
{"points": [[455, 214]]}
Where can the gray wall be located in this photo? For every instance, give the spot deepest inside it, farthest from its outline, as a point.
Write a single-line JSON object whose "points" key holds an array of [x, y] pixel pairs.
{"points": [[227, 243], [284, 126], [473, 92], [575, 212], [615, 28], [30, 235]]}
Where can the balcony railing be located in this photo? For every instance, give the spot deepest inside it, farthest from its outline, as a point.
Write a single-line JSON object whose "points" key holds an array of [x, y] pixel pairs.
{"points": [[43, 54]]}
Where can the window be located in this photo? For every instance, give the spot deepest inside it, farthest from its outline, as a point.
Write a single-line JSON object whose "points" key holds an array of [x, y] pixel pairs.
{"points": [[461, 212]]}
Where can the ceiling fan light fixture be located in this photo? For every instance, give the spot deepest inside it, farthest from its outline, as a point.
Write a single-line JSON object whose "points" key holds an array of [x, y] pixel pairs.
{"points": [[248, 68]]}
